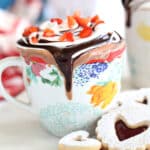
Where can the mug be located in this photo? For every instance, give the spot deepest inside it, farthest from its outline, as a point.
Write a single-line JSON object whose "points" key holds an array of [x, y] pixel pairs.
{"points": [[138, 42], [94, 86]]}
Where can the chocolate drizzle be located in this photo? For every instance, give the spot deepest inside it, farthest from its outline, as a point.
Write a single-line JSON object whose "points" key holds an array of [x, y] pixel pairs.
{"points": [[63, 55], [124, 132], [131, 8], [126, 4]]}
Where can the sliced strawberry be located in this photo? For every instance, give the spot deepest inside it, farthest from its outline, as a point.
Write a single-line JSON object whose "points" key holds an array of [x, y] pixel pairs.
{"points": [[96, 20], [37, 59], [62, 38], [34, 39], [30, 30], [67, 36], [71, 21], [26, 32], [82, 21], [99, 22], [86, 32], [58, 20], [76, 14], [48, 33]]}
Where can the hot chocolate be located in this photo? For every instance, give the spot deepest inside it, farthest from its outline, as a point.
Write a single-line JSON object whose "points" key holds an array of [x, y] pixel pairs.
{"points": [[71, 69], [70, 43]]}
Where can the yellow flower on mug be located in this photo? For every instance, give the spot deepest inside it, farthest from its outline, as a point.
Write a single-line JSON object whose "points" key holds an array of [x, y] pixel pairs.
{"points": [[103, 94], [143, 31]]}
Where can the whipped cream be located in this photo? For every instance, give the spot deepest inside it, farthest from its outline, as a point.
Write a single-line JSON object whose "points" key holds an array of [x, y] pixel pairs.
{"points": [[99, 30]]}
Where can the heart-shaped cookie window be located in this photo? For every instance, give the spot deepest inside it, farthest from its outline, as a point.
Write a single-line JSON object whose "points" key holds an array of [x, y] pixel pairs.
{"points": [[144, 101], [124, 132], [129, 126]]}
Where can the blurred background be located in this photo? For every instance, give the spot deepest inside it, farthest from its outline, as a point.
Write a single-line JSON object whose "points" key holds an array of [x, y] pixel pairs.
{"points": [[17, 14]]}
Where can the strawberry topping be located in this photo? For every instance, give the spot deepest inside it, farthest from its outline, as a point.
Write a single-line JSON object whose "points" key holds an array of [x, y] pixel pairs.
{"points": [[96, 20], [76, 14], [30, 30], [48, 33], [85, 25], [67, 36], [86, 32], [34, 39], [58, 20], [82, 21], [71, 21]]}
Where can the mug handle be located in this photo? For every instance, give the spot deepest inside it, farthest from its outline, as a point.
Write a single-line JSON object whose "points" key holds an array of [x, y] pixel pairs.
{"points": [[5, 63]]}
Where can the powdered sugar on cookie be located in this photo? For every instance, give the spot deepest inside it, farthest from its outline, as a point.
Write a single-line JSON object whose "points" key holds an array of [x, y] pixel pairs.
{"points": [[125, 128]]}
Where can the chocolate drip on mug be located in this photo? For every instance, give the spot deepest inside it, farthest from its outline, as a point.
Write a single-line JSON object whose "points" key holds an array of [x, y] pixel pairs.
{"points": [[131, 6], [126, 4], [63, 56]]}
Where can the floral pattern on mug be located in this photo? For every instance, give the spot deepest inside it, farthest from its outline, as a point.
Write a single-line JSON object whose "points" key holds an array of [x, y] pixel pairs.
{"points": [[51, 75], [47, 75], [103, 94], [85, 72]]}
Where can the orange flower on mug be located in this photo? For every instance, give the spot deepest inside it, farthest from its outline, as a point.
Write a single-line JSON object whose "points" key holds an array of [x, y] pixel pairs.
{"points": [[103, 94]]}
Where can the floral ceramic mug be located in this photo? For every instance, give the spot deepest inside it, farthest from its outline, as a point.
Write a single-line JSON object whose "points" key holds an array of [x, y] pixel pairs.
{"points": [[68, 95]]}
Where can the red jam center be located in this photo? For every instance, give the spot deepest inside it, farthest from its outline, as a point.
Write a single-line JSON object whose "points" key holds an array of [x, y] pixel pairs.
{"points": [[124, 132]]}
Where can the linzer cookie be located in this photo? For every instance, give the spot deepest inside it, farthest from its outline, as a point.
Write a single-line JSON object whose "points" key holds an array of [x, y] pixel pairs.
{"points": [[79, 140], [125, 128], [141, 96], [77, 64]]}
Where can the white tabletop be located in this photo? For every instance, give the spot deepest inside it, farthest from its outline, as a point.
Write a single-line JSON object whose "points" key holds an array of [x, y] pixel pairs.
{"points": [[21, 130]]}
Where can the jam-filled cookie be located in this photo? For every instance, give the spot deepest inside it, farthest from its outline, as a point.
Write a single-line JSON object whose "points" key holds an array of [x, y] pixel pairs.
{"points": [[125, 128], [79, 141], [141, 96]]}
